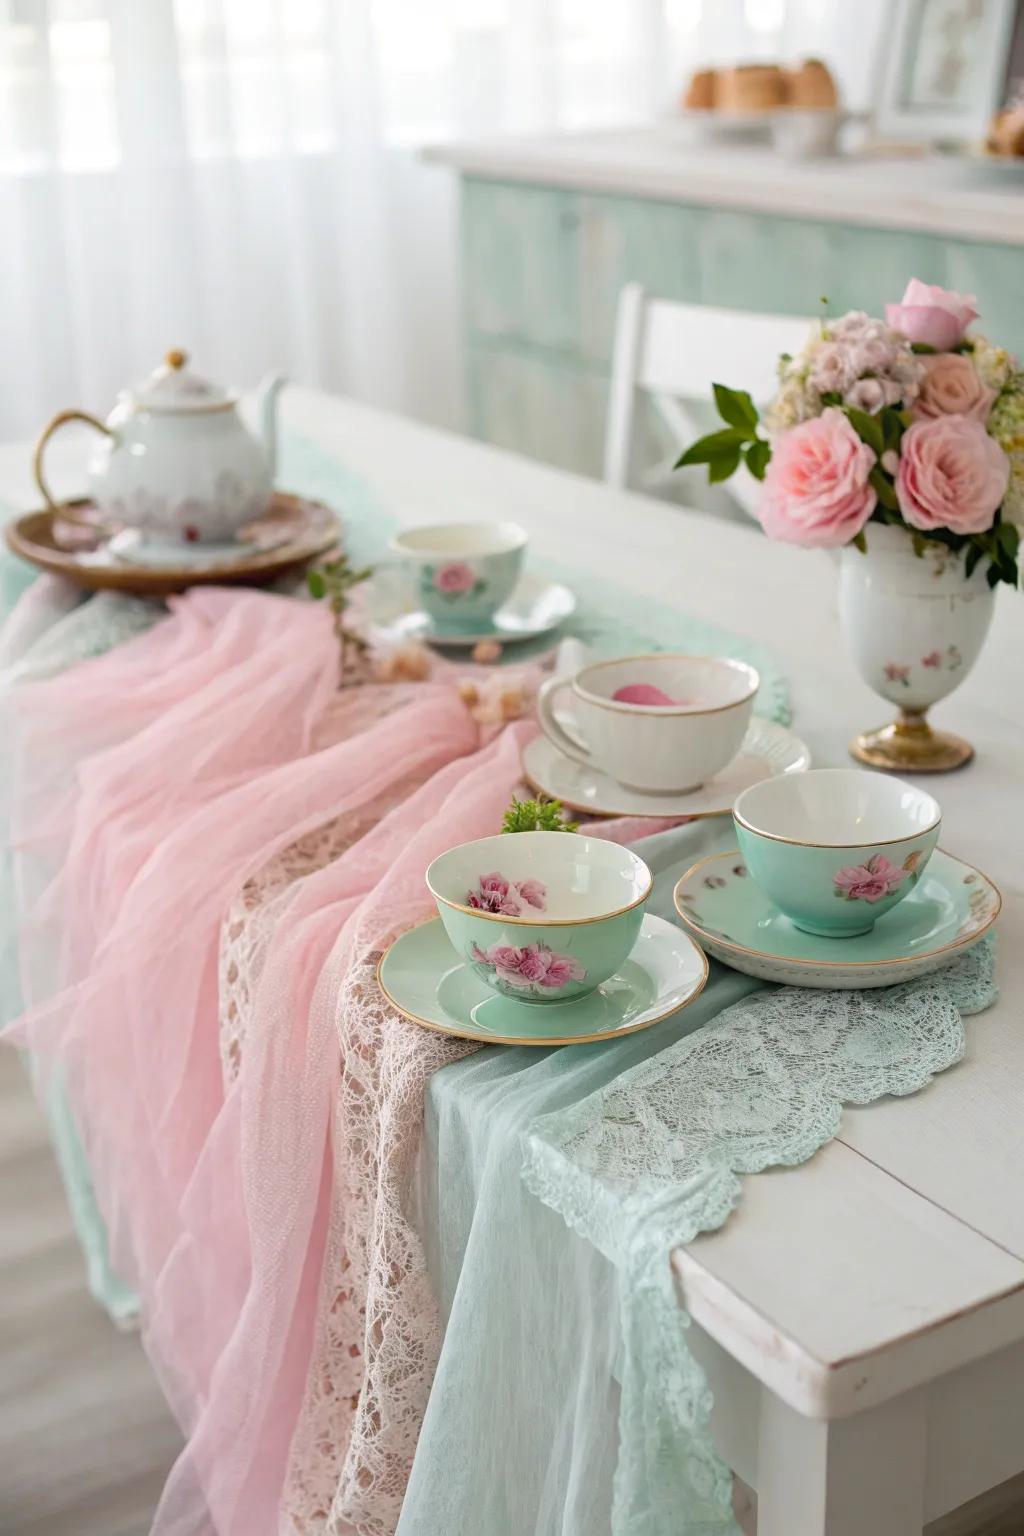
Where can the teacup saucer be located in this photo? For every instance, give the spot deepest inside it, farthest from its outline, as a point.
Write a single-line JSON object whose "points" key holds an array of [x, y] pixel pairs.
{"points": [[137, 548], [535, 606], [768, 749], [422, 977], [950, 908]]}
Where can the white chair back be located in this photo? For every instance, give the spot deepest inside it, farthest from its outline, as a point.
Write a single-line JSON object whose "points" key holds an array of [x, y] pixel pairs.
{"points": [[672, 351]]}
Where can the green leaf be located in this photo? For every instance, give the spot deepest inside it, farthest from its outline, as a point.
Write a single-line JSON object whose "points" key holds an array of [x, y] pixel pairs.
{"points": [[713, 446], [831, 397], [868, 429], [721, 468], [1008, 538], [924, 347], [893, 427], [974, 553], [737, 408], [757, 457], [860, 542], [316, 584], [883, 489], [993, 576]]}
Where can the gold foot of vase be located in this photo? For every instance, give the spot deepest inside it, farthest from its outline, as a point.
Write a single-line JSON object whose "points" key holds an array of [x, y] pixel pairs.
{"points": [[909, 745]]}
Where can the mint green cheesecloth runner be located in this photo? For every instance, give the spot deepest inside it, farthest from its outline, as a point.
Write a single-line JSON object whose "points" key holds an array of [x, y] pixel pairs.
{"points": [[553, 1185]]}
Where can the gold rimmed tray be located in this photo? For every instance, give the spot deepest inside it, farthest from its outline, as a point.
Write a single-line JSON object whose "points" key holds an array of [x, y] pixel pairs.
{"points": [[84, 549]]}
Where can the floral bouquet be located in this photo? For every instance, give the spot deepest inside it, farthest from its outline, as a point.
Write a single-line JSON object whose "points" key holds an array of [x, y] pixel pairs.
{"points": [[909, 421]]}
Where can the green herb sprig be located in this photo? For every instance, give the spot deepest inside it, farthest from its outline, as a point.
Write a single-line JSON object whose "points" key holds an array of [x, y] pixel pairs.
{"points": [[540, 815], [334, 581]]}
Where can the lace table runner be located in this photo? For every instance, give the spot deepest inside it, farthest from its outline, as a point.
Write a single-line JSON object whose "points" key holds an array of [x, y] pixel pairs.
{"points": [[553, 1192], [376, 1331]]}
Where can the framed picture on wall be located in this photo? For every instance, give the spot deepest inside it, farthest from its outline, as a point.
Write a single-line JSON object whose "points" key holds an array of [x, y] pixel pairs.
{"points": [[944, 67]]}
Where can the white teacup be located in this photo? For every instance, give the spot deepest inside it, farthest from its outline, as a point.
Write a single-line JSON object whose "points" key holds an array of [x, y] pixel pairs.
{"points": [[461, 573], [661, 748]]}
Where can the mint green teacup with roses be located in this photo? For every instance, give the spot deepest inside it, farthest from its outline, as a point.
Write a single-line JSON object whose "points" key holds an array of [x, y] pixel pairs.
{"points": [[836, 848], [542, 917], [461, 573]]}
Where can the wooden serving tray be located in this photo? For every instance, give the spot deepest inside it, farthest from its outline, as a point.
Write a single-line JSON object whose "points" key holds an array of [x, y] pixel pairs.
{"points": [[293, 531]]}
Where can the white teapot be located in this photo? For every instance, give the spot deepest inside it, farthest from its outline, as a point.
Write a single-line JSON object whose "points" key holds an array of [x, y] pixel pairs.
{"points": [[178, 462]]}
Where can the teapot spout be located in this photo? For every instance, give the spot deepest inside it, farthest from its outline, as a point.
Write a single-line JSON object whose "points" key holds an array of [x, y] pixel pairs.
{"points": [[266, 397]]}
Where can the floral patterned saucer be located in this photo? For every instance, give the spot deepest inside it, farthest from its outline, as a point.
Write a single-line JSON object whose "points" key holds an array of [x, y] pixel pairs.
{"points": [[767, 749], [422, 977], [535, 606], [950, 909]]}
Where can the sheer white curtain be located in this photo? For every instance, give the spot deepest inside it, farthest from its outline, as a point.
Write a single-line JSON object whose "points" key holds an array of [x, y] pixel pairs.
{"points": [[239, 177]]}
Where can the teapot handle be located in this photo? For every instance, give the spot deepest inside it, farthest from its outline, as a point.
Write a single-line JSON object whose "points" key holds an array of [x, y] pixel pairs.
{"points": [[37, 460]]}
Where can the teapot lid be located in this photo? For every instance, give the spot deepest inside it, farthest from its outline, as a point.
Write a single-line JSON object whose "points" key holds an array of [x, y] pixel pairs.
{"points": [[174, 387]]}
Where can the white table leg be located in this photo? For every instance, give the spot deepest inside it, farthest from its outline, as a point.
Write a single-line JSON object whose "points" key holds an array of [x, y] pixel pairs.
{"points": [[861, 1476]]}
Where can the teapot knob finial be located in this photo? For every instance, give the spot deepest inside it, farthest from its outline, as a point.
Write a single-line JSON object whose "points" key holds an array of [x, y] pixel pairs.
{"points": [[176, 358]]}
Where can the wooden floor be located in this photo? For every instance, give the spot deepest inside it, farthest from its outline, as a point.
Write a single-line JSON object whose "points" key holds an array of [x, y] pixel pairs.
{"points": [[86, 1440]]}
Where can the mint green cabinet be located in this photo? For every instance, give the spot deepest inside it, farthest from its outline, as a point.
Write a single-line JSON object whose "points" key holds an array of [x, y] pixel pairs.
{"points": [[542, 268]]}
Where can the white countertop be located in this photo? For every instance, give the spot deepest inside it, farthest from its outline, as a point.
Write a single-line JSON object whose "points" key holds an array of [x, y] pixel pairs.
{"points": [[973, 200]]}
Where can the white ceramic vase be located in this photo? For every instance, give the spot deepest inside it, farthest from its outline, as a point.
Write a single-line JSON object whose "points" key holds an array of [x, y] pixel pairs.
{"points": [[914, 625]]}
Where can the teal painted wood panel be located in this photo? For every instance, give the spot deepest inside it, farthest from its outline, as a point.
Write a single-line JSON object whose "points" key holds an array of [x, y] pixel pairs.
{"points": [[543, 268], [521, 263], [547, 407], [996, 274]]}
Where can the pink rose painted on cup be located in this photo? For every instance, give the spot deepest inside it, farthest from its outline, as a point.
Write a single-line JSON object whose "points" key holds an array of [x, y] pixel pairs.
{"points": [[528, 968], [507, 898], [454, 579], [936, 317], [951, 387], [951, 475], [869, 882], [816, 490]]}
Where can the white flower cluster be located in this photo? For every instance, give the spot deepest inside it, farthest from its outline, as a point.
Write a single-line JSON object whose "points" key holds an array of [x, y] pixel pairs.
{"points": [[856, 357], [1006, 425], [993, 365]]}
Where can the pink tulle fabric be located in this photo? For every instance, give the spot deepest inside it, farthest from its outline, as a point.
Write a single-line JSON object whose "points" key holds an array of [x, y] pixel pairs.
{"points": [[250, 1109]]}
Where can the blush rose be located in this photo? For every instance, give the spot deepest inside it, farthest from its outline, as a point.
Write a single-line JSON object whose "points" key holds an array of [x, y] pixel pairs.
{"points": [[951, 387], [935, 317], [816, 490], [455, 578], [951, 475]]}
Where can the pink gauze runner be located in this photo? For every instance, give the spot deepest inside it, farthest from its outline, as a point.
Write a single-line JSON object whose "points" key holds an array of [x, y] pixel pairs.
{"points": [[252, 1160]]}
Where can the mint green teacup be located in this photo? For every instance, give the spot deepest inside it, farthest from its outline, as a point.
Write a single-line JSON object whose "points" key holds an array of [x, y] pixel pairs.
{"points": [[462, 573], [542, 917], [836, 848]]}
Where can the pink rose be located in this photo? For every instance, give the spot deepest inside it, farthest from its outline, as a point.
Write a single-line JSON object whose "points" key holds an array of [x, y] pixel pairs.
{"points": [[535, 965], [951, 387], [816, 490], [869, 882], [495, 894], [934, 316], [457, 577], [951, 475], [534, 893]]}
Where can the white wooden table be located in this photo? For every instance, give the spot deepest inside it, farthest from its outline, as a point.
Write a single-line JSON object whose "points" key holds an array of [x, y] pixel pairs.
{"points": [[862, 1316]]}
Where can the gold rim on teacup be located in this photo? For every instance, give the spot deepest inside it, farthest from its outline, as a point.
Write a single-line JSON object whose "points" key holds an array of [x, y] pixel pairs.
{"points": [[817, 965], [620, 706], [487, 1038], [862, 842]]}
